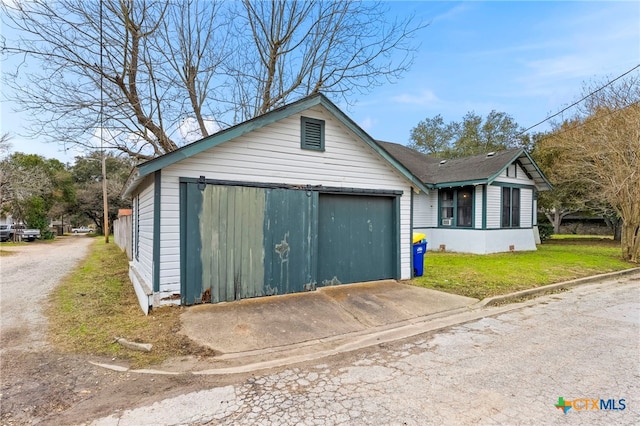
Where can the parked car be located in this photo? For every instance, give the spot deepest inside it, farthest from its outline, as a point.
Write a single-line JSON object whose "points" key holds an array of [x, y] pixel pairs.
{"points": [[81, 230], [18, 232]]}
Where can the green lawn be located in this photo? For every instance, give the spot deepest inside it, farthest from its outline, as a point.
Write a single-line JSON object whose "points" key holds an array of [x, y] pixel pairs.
{"points": [[96, 303], [557, 260]]}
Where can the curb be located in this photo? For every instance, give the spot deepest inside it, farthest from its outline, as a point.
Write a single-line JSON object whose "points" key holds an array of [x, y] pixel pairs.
{"points": [[495, 300], [382, 334]]}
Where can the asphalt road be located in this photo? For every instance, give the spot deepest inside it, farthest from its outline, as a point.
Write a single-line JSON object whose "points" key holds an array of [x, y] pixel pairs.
{"points": [[511, 368]]}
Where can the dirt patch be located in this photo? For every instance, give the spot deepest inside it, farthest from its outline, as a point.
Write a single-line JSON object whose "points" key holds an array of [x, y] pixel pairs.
{"points": [[50, 388]]}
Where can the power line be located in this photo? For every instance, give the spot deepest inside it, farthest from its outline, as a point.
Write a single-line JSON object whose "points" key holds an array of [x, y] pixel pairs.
{"points": [[577, 102], [584, 123]]}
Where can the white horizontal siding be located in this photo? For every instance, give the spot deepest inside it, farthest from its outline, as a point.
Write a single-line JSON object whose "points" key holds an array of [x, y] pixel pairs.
{"points": [[526, 207], [494, 200], [521, 178], [477, 221], [146, 234], [143, 225], [405, 235], [425, 209], [421, 210], [272, 154]]}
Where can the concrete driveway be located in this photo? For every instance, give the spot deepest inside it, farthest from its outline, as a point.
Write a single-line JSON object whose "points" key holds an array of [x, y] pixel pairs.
{"points": [[280, 321]]}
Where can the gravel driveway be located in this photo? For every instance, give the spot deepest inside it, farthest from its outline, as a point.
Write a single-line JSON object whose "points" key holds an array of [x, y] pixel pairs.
{"points": [[40, 385], [26, 279]]}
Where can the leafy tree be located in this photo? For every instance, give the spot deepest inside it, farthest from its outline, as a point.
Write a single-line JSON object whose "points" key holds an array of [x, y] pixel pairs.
{"points": [[87, 177], [32, 186], [569, 194], [434, 136], [35, 214], [159, 68], [601, 148], [473, 135]]}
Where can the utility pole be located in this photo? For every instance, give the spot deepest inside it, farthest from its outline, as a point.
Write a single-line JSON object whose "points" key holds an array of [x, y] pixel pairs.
{"points": [[105, 204]]}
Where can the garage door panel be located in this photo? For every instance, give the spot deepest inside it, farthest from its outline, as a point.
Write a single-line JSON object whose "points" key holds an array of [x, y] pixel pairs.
{"points": [[355, 238], [232, 261], [288, 241], [242, 242]]}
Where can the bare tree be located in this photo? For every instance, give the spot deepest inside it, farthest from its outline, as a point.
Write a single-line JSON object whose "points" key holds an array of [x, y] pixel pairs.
{"points": [[5, 144], [292, 49], [153, 65], [602, 149], [148, 63]]}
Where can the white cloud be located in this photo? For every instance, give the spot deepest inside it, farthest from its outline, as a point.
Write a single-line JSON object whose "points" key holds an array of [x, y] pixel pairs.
{"points": [[190, 130], [367, 123], [425, 97], [104, 137]]}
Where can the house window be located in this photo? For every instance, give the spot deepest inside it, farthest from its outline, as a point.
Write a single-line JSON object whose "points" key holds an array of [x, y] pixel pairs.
{"points": [[510, 207], [311, 134], [456, 207]]}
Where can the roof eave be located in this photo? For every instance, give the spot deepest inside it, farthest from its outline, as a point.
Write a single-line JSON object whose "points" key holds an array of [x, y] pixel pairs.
{"points": [[544, 185], [471, 182], [238, 130], [507, 164], [351, 125], [132, 182]]}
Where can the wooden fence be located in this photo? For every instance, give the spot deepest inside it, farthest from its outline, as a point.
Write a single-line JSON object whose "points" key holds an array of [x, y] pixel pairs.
{"points": [[122, 228]]}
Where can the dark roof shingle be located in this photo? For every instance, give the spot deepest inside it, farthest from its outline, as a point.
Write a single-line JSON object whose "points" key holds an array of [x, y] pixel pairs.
{"points": [[476, 169]]}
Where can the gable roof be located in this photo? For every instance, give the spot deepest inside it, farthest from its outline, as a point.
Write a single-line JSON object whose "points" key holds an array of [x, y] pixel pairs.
{"points": [[474, 170], [142, 170]]}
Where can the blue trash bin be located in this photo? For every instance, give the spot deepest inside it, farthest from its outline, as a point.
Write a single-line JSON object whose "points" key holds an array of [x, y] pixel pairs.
{"points": [[419, 251]]}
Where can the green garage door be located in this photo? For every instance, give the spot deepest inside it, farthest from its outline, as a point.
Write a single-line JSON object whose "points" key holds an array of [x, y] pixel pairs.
{"points": [[357, 238], [241, 242]]}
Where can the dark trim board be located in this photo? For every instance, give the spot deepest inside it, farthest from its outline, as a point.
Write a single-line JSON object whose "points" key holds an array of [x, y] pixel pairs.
{"points": [[484, 206], [156, 229], [410, 239], [513, 185], [313, 188], [396, 240]]}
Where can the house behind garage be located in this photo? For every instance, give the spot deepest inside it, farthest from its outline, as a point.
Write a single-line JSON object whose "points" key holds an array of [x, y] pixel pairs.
{"points": [[294, 199], [479, 204]]}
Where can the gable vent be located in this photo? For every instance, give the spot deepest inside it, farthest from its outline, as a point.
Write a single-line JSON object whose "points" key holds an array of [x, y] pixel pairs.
{"points": [[312, 134]]}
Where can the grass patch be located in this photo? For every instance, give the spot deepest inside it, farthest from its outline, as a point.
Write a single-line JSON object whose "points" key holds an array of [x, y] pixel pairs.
{"points": [[483, 276], [96, 303], [10, 244]]}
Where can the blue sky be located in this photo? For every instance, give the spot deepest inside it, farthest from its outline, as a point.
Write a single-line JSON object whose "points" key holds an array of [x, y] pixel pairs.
{"points": [[528, 59]]}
